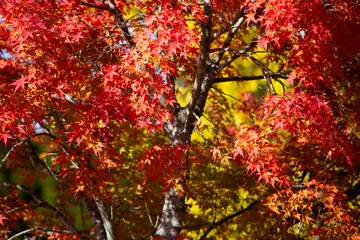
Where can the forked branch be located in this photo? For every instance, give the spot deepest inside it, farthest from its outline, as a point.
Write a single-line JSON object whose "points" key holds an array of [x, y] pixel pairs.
{"points": [[218, 223]]}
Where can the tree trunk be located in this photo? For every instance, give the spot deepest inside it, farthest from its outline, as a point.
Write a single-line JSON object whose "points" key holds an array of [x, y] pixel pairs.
{"points": [[174, 205], [172, 215]]}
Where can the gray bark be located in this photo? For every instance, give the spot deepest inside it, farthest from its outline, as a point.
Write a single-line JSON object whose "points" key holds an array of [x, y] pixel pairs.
{"points": [[95, 216], [180, 131], [172, 214]]}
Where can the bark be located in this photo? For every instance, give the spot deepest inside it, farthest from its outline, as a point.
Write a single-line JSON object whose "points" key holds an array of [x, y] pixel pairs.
{"points": [[95, 218], [107, 221], [174, 205], [172, 214], [182, 128]]}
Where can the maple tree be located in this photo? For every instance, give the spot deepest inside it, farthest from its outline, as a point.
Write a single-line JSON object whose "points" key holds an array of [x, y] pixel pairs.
{"points": [[117, 123]]}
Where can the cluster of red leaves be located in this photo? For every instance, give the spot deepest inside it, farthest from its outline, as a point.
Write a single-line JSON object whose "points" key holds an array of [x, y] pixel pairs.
{"points": [[64, 236], [315, 201], [307, 119], [79, 81], [261, 149], [12, 209], [308, 129], [164, 164]]}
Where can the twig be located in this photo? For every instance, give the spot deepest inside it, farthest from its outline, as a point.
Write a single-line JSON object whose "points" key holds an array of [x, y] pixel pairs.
{"points": [[148, 213], [250, 78], [240, 19], [251, 116], [228, 25], [265, 71], [12, 149], [47, 166], [238, 54], [44, 204], [46, 230], [118, 17], [215, 224], [95, 6]]}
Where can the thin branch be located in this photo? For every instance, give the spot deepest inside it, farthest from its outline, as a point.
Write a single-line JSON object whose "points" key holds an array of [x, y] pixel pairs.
{"points": [[197, 118], [107, 221], [197, 125], [95, 216], [227, 26], [46, 230], [8, 75], [231, 35], [95, 6], [265, 73], [118, 17], [45, 204], [10, 151], [250, 78], [251, 116], [47, 166], [237, 54], [148, 213], [265, 70], [353, 192], [218, 223], [147, 236]]}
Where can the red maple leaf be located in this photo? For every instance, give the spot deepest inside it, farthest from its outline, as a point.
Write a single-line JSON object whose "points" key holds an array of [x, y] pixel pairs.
{"points": [[2, 218], [20, 83]]}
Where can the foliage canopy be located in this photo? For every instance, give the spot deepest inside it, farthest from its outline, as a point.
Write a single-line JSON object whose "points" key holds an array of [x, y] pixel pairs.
{"points": [[133, 120]]}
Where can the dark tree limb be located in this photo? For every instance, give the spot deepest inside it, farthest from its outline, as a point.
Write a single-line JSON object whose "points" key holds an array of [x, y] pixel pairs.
{"points": [[224, 220], [233, 31], [46, 230], [120, 20], [204, 74], [45, 204], [353, 192], [110, 6], [228, 25], [8, 75], [236, 55], [282, 75], [95, 6]]}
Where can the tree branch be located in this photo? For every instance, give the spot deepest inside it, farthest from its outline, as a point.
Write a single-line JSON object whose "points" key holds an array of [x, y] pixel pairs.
{"points": [[45, 204], [8, 75], [202, 82], [237, 54], [265, 70], [120, 20], [250, 78], [231, 35], [46, 230], [218, 223], [95, 6], [227, 26], [353, 192], [3, 161], [11, 150], [108, 224]]}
